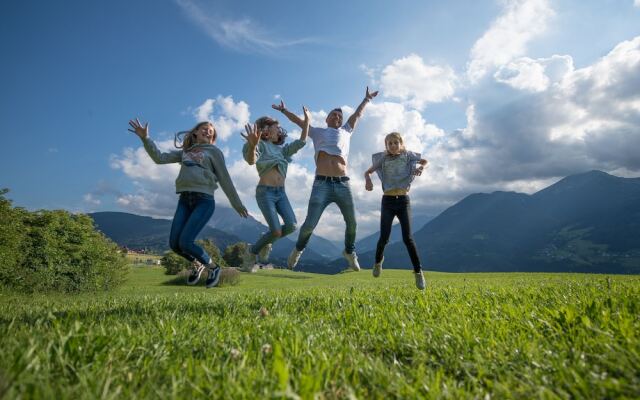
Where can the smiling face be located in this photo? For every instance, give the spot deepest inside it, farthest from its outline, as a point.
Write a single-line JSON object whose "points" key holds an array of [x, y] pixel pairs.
{"points": [[334, 119], [205, 133], [272, 133]]}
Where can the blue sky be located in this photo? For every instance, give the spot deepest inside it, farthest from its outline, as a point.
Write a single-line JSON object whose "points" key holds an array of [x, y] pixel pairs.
{"points": [[497, 95]]}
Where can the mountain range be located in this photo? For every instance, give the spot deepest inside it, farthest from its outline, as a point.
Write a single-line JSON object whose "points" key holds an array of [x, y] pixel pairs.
{"points": [[587, 222]]}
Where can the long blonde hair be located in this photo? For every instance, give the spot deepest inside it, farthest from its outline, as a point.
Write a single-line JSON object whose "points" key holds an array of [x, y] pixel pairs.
{"points": [[188, 138], [394, 135]]}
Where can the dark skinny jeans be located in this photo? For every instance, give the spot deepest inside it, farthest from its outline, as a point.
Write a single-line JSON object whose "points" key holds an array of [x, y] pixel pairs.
{"points": [[397, 206]]}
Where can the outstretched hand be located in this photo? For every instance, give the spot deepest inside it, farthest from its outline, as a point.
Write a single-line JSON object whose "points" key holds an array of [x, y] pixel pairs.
{"points": [[307, 114], [252, 134], [243, 212], [369, 95], [280, 107], [138, 129]]}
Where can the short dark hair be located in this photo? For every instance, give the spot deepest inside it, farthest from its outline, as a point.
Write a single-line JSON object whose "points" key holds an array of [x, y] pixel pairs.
{"points": [[338, 109]]}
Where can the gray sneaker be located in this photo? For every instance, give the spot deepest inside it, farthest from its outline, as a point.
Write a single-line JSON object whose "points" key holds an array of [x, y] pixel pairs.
{"points": [[352, 259], [420, 284], [196, 272], [263, 255], [377, 268], [294, 257], [248, 260]]}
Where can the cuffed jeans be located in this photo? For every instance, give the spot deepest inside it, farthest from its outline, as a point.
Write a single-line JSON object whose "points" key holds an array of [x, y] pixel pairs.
{"points": [[397, 206], [272, 201], [192, 214], [325, 192]]}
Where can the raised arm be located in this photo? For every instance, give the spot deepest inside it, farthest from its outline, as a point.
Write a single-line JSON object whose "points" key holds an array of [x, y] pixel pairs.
{"points": [[291, 116], [353, 120], [249, 148], [306, 123], [156, 155]]}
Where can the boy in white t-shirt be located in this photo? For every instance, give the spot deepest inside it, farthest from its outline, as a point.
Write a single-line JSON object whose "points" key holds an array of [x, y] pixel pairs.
{"points": [[331, 145]]}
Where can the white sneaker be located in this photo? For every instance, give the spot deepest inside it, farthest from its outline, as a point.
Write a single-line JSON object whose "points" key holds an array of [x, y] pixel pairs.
{"points": [[294, 257], [352, 259], [248, 260], [420, 284], [263, 255], [377, 268]]}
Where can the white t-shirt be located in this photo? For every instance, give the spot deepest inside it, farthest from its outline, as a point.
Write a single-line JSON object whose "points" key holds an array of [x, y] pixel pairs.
{"points": [[331, 140]]}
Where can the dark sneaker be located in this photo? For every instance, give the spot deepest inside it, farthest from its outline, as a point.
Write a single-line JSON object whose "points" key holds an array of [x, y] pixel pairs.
{"points": [[420, 283], [214, 277], [196, 272]]}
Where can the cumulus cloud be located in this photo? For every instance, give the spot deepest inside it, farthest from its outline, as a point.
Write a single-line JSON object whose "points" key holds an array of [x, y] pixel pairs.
{"points": [[534, 75], [242, 35], [569, 121], [226, 115], [415, 83], [536, 121], [508, 36]]}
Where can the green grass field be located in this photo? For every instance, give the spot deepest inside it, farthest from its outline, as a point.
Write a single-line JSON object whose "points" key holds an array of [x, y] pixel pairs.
{"points": [[344, 336]]}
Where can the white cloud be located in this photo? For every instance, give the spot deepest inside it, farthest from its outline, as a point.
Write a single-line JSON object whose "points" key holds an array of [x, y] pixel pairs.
{"points": [[508, 36], [226, 115], [636, 3], [534, 75], [242, 35], [91, 200], [416, 83]]}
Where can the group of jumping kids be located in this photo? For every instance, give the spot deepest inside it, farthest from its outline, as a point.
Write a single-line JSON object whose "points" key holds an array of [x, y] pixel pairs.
{"points": [[202, 169]]}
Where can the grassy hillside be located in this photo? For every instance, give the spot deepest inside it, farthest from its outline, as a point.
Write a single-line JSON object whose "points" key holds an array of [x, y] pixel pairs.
{"points": [[466, 336]]}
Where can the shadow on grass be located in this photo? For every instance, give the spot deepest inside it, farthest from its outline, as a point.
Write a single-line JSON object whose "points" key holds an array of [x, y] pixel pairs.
{"points": [[262, 275], [228, 277]]}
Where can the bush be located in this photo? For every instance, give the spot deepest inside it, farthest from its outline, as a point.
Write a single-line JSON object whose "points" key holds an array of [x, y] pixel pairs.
{"points": [[57, 251], [12, 239], [174, 264], [229, 277], [233, 254]]}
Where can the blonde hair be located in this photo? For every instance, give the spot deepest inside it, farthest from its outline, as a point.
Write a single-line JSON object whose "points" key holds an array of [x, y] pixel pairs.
{"points": [[394, 135], [189, 138]]}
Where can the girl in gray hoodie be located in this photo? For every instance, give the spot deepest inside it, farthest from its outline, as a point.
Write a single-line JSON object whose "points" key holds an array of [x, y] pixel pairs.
{"points": [[202, 169]]}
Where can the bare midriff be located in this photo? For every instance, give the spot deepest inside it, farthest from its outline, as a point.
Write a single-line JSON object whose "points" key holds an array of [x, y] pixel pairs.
{"points": [[396, 192], [272, 178], [330, 165]]}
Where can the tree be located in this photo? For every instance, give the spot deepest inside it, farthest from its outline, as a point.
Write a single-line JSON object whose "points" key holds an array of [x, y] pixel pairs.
{"points": [[233, 254], [213, 251], [173, 263]]}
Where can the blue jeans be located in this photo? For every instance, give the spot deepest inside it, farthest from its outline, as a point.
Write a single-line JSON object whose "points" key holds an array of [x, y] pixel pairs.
{"points": [[325, 192], [193, 212], [272, 201]]}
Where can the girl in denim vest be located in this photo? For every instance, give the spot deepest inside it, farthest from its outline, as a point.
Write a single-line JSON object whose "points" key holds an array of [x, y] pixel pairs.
{"points": [[202, 169], [396, 167], [266, 149]]}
